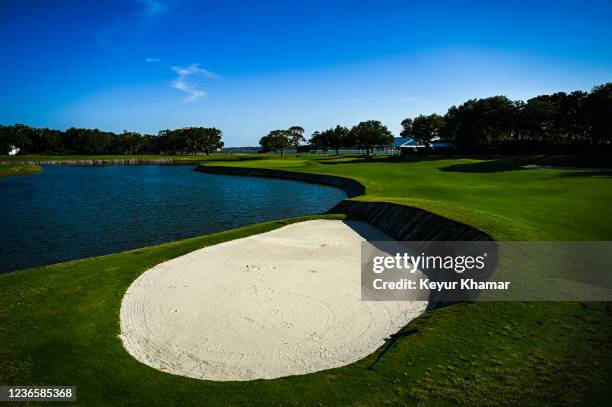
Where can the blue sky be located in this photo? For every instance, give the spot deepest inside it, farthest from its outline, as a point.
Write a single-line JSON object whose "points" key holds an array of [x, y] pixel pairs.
{"points": [[249, 67]]}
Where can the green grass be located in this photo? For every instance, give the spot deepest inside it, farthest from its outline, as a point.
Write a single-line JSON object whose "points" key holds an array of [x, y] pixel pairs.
{"points": [[59, 323], [8, 170], [495, 195]]}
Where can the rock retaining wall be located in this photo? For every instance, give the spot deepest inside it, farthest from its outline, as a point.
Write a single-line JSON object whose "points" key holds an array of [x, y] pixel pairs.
{"points": [[351, 187], [407, 223]]}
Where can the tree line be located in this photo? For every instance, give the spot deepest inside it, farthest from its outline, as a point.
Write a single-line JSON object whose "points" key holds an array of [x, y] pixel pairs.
{"points": [[570, 122], [31, 140], [281, 140], [365, 135], [576, 121]]}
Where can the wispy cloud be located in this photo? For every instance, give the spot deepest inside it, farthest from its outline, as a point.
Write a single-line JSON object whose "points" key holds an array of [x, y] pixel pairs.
{"points": [[152, 59], [194, 69], [152, 8], [187, 80], [134, 24]]}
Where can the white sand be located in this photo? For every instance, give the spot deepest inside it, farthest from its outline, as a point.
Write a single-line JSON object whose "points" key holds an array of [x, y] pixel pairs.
{"points": [[281, 303]]}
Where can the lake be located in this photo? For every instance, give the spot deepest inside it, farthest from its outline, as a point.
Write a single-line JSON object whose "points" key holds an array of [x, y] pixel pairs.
{"points": [[71, 212]]}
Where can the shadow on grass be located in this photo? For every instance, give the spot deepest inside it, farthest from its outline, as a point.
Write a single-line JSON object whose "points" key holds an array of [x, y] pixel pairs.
{"points": [[492, 164], [595, 173], [484, 167]]}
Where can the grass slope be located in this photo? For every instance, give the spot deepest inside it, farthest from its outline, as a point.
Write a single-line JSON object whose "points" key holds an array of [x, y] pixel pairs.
{"points": [[58, 324], [8, 170]]}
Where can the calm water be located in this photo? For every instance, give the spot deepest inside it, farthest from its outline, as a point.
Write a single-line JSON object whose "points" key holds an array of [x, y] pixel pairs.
{"points": [[69, 212]]}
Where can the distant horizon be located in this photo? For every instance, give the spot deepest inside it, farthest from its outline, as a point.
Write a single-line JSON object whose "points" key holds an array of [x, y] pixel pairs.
{"points": [[148, 65]]}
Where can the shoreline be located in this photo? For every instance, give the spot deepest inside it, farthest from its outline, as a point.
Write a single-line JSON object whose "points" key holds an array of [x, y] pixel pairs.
{"points": [[104, 161], [353, 188], [402, 222]]}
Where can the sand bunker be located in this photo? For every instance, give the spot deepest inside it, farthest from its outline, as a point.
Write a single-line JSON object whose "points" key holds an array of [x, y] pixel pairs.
{"points": [[281, 303]]}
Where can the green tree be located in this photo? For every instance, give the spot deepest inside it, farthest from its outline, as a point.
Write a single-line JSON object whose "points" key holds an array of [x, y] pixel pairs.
{"points": [[128, 142], [497, 118], [370, 134], [193, 138], [211, 139], [319, 141], [337, 137], [425, 128], [539, 115], [18, 136], [170, 141], [573, 117], [276, 140], [406, 127], [51, 141], [479, 122], [295, 135], [598, 113]]}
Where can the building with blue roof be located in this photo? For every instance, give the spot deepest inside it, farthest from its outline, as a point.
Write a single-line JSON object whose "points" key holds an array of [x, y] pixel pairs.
{"points": [[407, 145]]}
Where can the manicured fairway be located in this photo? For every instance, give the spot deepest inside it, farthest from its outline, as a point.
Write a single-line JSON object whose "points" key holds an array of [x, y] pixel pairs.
{"points": [[59, 324], [496, 194]]}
